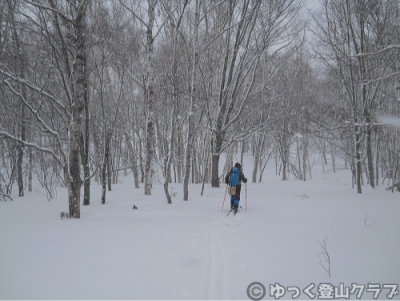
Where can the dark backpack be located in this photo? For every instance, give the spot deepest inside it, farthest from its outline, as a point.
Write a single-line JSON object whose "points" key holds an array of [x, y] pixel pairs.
{"points": [[234, 177]]}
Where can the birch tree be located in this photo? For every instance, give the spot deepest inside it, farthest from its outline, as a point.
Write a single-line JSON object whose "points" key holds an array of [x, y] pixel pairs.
{"points": [[148, 87], [192, 93], [349, 32], [174, 26], [250, 28], [71, 38]]}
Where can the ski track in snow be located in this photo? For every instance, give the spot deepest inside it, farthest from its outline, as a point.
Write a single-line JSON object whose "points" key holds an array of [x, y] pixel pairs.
{"points": [[217, 279], [232, 220]]}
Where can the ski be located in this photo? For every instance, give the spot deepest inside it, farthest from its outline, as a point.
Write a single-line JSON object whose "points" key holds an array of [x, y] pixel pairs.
{"points": [[234, 212]]}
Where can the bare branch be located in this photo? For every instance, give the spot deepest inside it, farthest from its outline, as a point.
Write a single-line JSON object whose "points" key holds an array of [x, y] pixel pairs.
{"points": [[35, 146]]}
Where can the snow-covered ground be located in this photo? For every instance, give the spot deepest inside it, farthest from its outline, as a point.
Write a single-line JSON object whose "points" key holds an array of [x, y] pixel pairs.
{"points": [[190, 250]]}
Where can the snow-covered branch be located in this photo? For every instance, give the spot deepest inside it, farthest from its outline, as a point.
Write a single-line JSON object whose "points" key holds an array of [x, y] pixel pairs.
{"points": [[5, 135], [387, 48], [35, 88]]}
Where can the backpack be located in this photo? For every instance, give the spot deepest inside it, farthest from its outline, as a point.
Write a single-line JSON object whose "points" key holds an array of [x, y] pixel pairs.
{"points": [[234, 177]]}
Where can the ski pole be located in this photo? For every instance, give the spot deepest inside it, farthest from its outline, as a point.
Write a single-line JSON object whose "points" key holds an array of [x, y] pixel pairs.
{"points": [[245, 196], [222, 208]]}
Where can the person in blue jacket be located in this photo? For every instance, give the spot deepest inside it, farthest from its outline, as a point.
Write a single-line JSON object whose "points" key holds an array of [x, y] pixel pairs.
{"points": [[235, 178]]}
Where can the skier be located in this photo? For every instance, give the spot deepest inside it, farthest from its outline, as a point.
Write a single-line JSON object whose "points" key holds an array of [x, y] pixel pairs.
{"points": [[235, 179]]}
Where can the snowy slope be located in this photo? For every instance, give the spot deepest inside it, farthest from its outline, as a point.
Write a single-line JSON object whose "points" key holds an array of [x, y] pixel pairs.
{"points": [[190, 250]]}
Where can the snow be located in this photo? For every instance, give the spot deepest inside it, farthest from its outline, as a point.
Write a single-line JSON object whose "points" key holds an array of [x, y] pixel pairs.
{"points": [[190, 250], [389, 120]]}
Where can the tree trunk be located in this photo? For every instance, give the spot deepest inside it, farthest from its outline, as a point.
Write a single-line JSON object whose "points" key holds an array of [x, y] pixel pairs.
{"points": [[132, 160], [190, 139], [178, 160], [215, 161], [299, 158], [284, 167], [78, 107], [150, 98], [256, 165], [333, 157], [20, 179], [21, 148], [142, 173], [205, 169], [85, 153], [21, 73], [305, 157], [109, 167], [30, 169], [377, 140], [324, 153], [370, 157], [106, 168], [284, 154], [167, 166], [358, 161]]}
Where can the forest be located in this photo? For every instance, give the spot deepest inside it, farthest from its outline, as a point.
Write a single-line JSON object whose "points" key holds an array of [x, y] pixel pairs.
{"points": [[93, 90]]}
